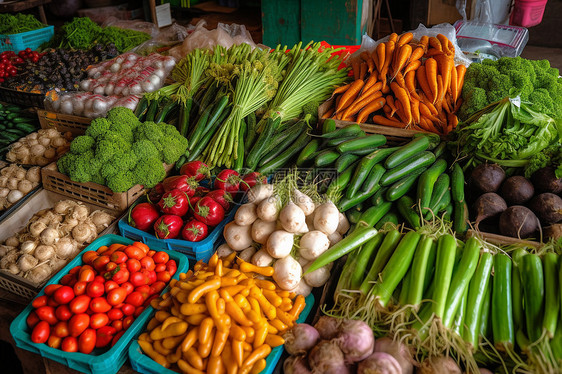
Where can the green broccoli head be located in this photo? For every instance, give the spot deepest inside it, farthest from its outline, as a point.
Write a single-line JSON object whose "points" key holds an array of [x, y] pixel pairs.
{"points": [[149, 172], [121, 181], [98, 126], [474, 100], [149, 131], [145, 149], [540, 65], [123, 129], [109, 144], [521, 84], [64, 163], [80, 169], [123, 115], [81, 144], [120, 162], [173, 144]]}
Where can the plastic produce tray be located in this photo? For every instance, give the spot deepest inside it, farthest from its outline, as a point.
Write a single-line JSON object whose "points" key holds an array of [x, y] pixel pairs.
{"points": [[145, 365], [29, 39], [202, 250], [21, 201], [100, 361], [21, 98]]}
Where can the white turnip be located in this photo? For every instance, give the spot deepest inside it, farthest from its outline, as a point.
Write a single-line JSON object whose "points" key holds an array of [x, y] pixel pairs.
{"points": [[12, 241], [261, 258], [268, 209], [313, 244], [66, 248], [304, 202], [318, 277], [247, 254], [302, 288], [292, 217], [39, 273], [246, 215], [224, 250], [49, 236], [279, 244], [259, 192], [334, 238], [326, 218], [287, 273], [296, 365], [328, 327], [101, 219], [81, 232], [439, 365], [300, 338], [27, 262], [379, 363], [343, 224], [14, 196], [28, 246], [310, 222], [44, 252], [237, 237], [261, 230]]}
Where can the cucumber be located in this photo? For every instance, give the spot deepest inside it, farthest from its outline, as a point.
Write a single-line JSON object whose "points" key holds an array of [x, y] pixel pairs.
{"points": [[457, 183], [407, 151], [364, 151], [353, 215], [341, 181], [406, 208], [351, 130], [284, 157], [282, 142], [403, 186], [308, 152], [373, 178], [378, 198], [364, 168], [440, 149], [141, 108], [347, 203], [344, 161], [328, 126], [327, 143], [361, 143], [427, 181], [375, 213], [412, 164], [164, 110], [434, 139], [326, 157], [460, 217], [391, 217], [439, 191], [26, 127]]}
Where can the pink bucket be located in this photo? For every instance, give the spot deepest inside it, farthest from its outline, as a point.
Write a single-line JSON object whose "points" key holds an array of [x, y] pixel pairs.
{"points": [[527, 13]]}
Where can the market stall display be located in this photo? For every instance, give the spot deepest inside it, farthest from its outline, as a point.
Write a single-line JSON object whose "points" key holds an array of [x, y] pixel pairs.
{"points": [[39, 148], [15, 183], [15, 122]]}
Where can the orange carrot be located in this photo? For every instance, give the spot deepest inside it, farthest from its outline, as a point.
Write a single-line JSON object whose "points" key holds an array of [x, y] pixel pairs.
{"points": [[444, 43], [341, 89], [367, 58], [328, 113], [390, 102], [370, 108], [380, 120], [405, 39], [433, 52], [380, 51], [389, 53], [416, 54], [414, 65], [446, 105], [399, 78], [386, 108], [461, 69], [431, 75], [370, 81], [427, 124], [393, 37], [422, 81], [424, 41], [400, 111], [351, 92], [403, 99], [362, 70], [452, 120], [453, 88], [338, 101], [360, 104], [411, 84], [404, 54], [372, 90], [415, 107], [445, 65], [385, 89], [457, 105], [355, 67], [451, 47], [439, 101], [435, 43], [425, 112]]}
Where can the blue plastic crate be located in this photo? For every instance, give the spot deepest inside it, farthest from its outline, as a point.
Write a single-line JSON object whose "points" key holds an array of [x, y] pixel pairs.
{"points": [[202, 250], [29, 39], [101, 360], [145, 365]]}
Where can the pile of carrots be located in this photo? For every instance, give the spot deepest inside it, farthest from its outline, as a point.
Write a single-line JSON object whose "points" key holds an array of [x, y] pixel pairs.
{"points": [[414, 84], [220, 318]]}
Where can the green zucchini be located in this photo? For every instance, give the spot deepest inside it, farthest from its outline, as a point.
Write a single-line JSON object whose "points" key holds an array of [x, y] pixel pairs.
{"points": [[373, 178], [457, 183], [351, 130], [344, 161], [412, 164], [502, 311], [328, 126], [307, 152], [406, 207], [403, 186], [407, 151], [361, 143], [325, 158], [364, 168], [427, 181]]}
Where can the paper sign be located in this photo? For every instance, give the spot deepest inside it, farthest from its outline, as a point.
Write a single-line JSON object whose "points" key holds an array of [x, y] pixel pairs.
{"points": [[163, 15]]}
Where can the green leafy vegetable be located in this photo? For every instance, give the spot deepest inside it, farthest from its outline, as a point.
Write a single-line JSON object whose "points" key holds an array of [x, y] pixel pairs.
{"points": [[10, 24]]}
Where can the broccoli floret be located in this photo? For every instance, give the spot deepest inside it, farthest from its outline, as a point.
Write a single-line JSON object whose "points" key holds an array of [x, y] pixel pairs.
{"points": [[109, 144], [173, 144], [149, 172], [473, 101], [123, 129], [123, 115], [312, 109], [64, 163], [98, 126], [121, 182], [119, 163], [81, 144], [540, 65], [505, 64], [80, 169], [145, 149], [149, 131]]}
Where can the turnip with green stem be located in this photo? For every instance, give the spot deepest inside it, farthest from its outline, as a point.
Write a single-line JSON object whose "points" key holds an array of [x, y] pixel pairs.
{"points": [[292, 217], [246, 215], [237, 237], [313, 244], [327, 218], [279, 244], [318, 277], [261, 230], [304, 202], [287, 273], [261, 258], [268, 209]]}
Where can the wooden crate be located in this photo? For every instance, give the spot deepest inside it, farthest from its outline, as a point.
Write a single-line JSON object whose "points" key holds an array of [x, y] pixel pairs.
{"points": [[17, 220], [394, 136], [63, 122], [89, 192], [502, 240]]}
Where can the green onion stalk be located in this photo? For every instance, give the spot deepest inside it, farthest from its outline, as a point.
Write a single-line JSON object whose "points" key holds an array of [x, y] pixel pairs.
{"points": [[257, 78]]}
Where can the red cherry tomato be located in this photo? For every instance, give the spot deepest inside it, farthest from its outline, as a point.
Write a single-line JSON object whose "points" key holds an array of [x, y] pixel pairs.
{"points": [[117, 324], [157, 287], [171, 267], [163, 276], [159, 267], [52, 302], [100, 263], [115, 314], [150, 253], [116, 296], [39, 301], [32, 319], [99, 305], [67, 279], [99, 279], [61, 329], [145, 291], [80, 288], [161, 257], [51, 288], [138, 311], [98, 320], [147, 263], [127, 322], [110, 285], [135, 299], [69, 344], [117, 337], [63, 313], [138, 279], [134, 252], [41, 332], [80, 304], [128, 286], [47, 313], [54, 342], [89, 257], [78, 324], [128, 309], [104, 335], [87, 341], [75, 270], [133, 265], [86, 274], [95, 289], [150, 275], [64, 295], [118, 257]]}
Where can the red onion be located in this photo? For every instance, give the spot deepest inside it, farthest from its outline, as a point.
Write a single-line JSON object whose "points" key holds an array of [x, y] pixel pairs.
{"points": [[355, 340], [300, 339], [328, 327], [379, 363], [327, 358], [439, 365], [296, 365], [399, 351]]}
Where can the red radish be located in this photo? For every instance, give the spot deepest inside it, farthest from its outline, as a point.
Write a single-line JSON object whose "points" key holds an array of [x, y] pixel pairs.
{"points": [[251, 179], [174, 202], [208, 211], [228, 180], [168, 226], [143, 215], [193, 201], [156, 193], [194, 231], [181, 182], [196, 169], [222, 197]]}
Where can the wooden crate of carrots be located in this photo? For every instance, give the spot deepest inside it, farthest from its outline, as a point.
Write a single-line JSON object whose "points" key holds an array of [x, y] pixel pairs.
{"points": [[404, 83]]}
